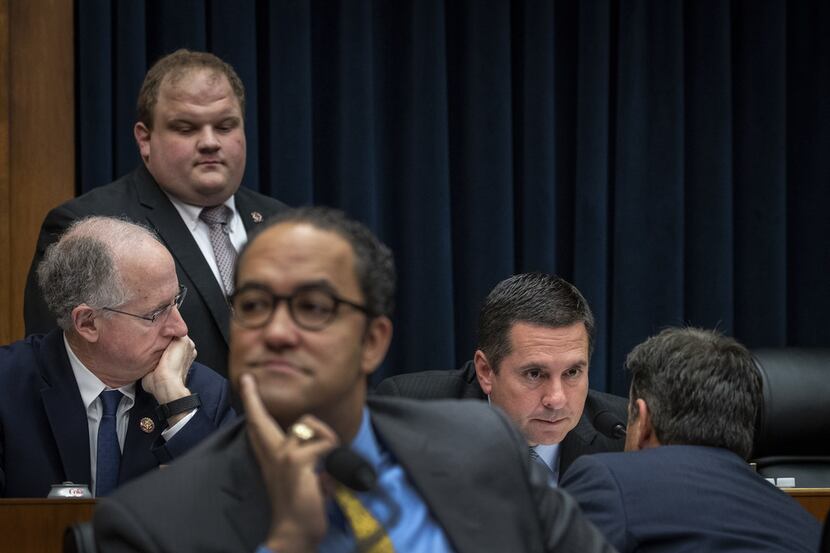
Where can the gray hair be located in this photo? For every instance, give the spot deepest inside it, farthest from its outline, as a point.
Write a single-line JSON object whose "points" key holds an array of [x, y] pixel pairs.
{"points": [[82, 266]]}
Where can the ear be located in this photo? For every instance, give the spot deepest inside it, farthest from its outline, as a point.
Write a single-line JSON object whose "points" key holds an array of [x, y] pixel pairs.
{"points": [[376, 342], [142, 138], [85, 323], [645, 436], [484, 371]]}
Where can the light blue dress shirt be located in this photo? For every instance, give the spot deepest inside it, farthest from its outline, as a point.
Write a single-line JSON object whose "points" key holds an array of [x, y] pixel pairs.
{"points": [[394, 503], [550, 456]]}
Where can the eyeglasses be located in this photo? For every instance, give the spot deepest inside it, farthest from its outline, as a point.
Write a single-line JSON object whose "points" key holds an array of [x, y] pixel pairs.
{"points": [[158, 313], [311, 307]]}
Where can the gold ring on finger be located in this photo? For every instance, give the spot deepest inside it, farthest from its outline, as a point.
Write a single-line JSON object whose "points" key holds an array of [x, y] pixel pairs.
{"points": [[302, 432]]}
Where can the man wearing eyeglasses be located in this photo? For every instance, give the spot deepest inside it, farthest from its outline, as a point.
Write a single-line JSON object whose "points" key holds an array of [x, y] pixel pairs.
{"points": [[311, 320], [114, 392]]}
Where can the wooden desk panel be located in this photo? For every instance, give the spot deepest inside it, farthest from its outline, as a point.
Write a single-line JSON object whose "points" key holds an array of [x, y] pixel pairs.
{"points": [[37, 525], [815, 500]]}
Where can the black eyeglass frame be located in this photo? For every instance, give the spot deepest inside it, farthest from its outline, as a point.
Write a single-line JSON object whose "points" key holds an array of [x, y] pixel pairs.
{"points": [[154, 316], [289, 299]]}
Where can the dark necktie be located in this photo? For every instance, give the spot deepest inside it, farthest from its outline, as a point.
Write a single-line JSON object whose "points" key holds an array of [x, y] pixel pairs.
{"points": [[108, 459], [217, 218]]}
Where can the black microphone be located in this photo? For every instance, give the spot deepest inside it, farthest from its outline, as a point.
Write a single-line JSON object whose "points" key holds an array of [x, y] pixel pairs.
{"points": [[606, 422], [350, 469]]}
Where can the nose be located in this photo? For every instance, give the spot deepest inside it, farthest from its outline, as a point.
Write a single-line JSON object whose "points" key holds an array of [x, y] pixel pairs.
{"points": [[208, 140], [174, 325], [281, 331], [554, 395]]}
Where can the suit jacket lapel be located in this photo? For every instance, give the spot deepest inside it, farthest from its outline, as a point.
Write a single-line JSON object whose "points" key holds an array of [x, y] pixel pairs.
{"points": [[162, 215], [64, 408], [248, 210], [137, 457], [248, 508], [413, 450], [577, 442]]}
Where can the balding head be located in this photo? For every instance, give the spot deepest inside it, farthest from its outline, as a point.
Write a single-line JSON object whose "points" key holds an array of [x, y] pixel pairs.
{"points": [[84, 266]]}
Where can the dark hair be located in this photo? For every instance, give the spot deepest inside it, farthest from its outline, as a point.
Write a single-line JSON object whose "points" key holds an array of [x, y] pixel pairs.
{"points": [[374, 264], [701, 388], [536, 298], [175, 66]]}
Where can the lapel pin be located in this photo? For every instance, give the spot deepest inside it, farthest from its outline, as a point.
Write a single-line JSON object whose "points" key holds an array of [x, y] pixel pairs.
{"points": [[256, 216], [147, 425]]}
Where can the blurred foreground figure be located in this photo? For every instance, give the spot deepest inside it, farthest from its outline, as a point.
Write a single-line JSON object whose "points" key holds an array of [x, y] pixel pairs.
{"points": [[311, 312]]}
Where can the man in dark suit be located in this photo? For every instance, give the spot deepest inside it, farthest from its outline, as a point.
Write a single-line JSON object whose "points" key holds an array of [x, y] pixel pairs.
{"points": [[535, 339], [191, 137], [122, 342], [311, 310], [694, 398]]}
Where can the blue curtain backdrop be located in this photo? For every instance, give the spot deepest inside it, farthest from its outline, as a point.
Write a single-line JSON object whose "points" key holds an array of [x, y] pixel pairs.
{"points": [[668, 157]]}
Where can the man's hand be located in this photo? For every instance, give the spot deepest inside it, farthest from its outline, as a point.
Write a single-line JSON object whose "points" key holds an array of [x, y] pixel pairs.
{"points": [[287, 462], [166, 381]]}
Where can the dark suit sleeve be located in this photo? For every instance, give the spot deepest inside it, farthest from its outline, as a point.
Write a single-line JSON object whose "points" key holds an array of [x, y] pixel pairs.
{"points": [[37, 316], [215, 411], [117, 530], [597, 492]]}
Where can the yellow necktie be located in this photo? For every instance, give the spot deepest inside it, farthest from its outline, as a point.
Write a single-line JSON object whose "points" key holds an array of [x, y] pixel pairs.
{"points": [[369, 534]]}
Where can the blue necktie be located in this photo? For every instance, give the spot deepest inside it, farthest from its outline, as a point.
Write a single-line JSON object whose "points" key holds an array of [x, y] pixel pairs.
{"points": [[109, 453]]}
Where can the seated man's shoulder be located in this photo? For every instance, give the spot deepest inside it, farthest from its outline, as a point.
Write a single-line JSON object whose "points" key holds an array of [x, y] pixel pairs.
{"points": [[448, 384], [597, 402], [447, 415], [203, 375]]}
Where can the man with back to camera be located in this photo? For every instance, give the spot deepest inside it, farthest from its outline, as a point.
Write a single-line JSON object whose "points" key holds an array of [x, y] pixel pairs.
{"points": [[686, 486], [314, 293], [535, 334], [191, 137], [113, 392]]}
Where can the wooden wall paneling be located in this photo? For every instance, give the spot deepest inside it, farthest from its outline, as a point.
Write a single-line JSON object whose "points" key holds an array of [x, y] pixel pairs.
{"points": [[41, 126], [5, 190]]}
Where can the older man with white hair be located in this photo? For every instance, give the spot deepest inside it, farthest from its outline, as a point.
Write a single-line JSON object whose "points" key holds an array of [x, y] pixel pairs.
{"points": [[114, 391]]}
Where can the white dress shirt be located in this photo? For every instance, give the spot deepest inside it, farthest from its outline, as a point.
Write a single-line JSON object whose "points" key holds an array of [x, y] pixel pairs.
{"points": [[91, 387], [201, 233]]}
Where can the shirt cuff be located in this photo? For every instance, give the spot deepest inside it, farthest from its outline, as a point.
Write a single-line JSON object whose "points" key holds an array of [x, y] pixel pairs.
{"points": [[168, 433]]}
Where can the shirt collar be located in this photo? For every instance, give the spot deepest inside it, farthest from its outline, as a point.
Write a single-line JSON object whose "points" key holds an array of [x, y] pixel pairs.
{"points": [[90, 385], [549, 454], [366, 443], [190, 213]]}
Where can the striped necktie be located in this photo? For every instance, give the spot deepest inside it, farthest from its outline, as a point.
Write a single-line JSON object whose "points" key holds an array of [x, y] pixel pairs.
{"points": [[368, 533]]}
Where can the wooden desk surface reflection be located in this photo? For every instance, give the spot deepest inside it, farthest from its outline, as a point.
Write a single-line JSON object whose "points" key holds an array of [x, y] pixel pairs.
{"points": [[37, 525], [815, 500]]}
